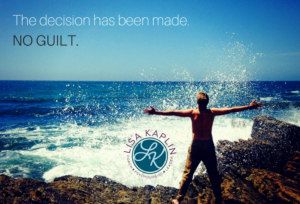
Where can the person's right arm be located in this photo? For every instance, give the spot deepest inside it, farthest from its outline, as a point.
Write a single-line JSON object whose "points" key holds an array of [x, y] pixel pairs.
{"points": [[180, 113], [223, 111]]}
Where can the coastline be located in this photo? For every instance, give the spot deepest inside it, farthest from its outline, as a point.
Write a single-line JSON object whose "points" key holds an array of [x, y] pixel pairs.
{"points": [[263, 169]]}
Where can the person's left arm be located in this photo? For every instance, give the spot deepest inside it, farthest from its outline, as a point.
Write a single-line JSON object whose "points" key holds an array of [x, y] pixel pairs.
{"points": [[180, 113]]}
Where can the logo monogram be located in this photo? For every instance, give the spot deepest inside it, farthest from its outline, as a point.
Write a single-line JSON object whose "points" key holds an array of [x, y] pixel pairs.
{"points": [[149, 155]]}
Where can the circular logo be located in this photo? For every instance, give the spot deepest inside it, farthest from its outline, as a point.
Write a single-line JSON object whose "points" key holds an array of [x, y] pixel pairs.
{"points": [[149, 155]]}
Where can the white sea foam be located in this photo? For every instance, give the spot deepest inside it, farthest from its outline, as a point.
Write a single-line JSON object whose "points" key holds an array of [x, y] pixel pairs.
{"points": [[266, 98], [291, 116], [100, 150]]}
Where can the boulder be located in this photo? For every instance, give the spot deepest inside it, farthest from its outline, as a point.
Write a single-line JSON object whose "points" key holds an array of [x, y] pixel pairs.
{"points": [[255, 186], [274, 187], [283, 134], [251, 153], [292, 168]]}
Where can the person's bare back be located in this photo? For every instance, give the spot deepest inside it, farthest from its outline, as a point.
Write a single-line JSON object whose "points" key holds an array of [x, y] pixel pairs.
{"points": [[202, 122]]}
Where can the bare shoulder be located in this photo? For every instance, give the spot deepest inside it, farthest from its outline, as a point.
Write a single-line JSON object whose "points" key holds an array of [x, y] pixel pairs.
{"points": [[220, 111], [184, 113], [213, 111], [190, 111], [194, 111]]}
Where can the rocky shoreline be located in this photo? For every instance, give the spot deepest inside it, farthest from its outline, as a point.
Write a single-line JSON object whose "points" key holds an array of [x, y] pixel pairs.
{"points": [[263, 169]]}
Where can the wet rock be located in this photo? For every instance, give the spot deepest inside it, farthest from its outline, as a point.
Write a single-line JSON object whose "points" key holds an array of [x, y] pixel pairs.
{"points": [[250, 154], [273, 141], [202, 185], [284, 137], [292, 168], [149, 188], [254, 187], [234, 190], [276, 131], [63, 178], [72, 189], [275, 187]]}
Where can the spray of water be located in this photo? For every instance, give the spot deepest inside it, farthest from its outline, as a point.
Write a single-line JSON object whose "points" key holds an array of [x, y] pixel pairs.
{"points": [[88, 142]]}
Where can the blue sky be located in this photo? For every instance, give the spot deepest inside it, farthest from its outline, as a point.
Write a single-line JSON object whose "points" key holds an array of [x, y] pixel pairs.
{"points": [[258, 40]]}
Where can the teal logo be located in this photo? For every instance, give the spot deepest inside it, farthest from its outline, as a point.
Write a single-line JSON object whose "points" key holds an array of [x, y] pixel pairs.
{"points": [[150, 155]]}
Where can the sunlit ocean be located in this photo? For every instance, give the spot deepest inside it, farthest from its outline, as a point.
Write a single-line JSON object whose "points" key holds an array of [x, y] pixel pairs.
{"points": [[54, 128]]}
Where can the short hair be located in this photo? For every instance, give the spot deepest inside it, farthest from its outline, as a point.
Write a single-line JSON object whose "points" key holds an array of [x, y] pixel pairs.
{"points": [[202, 99]]}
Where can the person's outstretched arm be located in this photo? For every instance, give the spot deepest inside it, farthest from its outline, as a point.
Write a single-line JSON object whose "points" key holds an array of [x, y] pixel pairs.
{"points": [[180, 113], [223, 111]]}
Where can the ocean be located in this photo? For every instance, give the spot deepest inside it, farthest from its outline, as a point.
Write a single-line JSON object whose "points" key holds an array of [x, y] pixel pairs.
{"points": [[54, 128]]}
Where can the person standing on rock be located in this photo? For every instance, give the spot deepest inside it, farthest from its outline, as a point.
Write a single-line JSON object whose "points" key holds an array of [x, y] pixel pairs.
{"points": [[202, 147]]}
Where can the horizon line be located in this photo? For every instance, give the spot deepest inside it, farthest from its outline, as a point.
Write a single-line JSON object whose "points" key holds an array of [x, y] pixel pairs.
{"points": [[141, 81]]}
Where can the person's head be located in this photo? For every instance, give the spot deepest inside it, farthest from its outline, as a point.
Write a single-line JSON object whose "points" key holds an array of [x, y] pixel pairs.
{"points": [[202, 99]]}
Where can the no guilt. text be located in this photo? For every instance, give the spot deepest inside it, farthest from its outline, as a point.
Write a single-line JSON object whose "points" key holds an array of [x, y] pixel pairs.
{"points": [[42, 40]]}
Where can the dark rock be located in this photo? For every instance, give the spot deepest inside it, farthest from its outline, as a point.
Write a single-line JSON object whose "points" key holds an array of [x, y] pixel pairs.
{"points": [[275, 187], [292, 168], [254, 187], [250, 154], [238, 190], [276, 131], [149, 188], [272, 142], [63, 178]]}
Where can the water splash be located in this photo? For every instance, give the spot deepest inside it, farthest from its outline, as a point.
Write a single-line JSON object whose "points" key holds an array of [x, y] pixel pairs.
{"points": [[80, 128]]}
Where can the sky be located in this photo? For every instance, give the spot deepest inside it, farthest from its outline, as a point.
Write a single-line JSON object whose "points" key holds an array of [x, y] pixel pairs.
{"points": [[221, 40]]}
